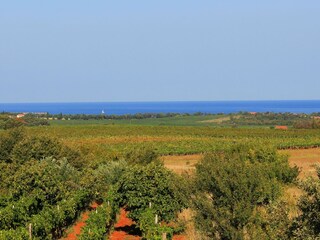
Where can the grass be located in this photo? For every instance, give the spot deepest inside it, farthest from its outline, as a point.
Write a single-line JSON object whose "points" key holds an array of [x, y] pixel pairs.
{"points": [[166, 121]]}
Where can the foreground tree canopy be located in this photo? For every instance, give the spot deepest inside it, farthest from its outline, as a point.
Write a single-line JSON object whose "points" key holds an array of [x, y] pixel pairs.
{"points": [[235, 192], [233, 184], [151, 186]]}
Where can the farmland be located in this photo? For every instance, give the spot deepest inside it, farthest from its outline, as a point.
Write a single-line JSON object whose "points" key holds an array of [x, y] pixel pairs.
{"points": [[104, 141], [117, 166]]}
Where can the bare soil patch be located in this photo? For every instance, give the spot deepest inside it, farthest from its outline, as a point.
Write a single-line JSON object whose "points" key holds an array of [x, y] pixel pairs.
{"points": [[124, 228], [76, 229], [181, 163], [220, 120], [305, 159]]}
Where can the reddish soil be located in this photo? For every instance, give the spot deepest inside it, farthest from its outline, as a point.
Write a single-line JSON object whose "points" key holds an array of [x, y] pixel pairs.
{"points": [[125, 229], [76, 229], [179, 237], [122, 228]]}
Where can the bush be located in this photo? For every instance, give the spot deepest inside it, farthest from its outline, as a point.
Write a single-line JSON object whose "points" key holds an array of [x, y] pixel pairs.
{"points": [[38, 148], [307, 225], [150, 229], [232, 185], [17, 234], [7, 143], [17, 147], [154, 184], [143, 155], [50, 179]]}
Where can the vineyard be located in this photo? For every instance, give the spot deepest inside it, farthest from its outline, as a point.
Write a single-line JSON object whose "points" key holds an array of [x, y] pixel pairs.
{"points": [[52, 174], [112, 140]]}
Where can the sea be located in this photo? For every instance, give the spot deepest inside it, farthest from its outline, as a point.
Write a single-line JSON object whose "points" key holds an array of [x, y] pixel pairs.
{"points": [[120, 108]]}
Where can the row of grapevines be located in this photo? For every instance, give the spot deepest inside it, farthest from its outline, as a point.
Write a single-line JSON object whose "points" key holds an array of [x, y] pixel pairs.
{"points": [[52, 220], [16, 214], [19, 233], [101, 220]]}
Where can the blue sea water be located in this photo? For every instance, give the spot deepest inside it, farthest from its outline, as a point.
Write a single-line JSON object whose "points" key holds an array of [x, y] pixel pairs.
{"points": [[118, 108]]}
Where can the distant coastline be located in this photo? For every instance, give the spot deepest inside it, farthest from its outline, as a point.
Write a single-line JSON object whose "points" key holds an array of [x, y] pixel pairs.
{"points": [[120, 108]]}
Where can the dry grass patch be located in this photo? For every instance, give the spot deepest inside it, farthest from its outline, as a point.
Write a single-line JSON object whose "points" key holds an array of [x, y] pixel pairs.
{"points": [[219, 120], [191, 232], [180, 164], [305, 159]]}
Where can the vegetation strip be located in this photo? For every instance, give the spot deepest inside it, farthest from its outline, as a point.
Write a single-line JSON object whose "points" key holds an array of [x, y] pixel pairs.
{"points": [[77, 227]]}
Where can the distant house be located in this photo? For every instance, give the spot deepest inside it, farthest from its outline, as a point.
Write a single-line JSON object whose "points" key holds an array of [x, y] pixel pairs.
{"points": [[316, 117], [253, 113], [281, 127], [21, 115]]}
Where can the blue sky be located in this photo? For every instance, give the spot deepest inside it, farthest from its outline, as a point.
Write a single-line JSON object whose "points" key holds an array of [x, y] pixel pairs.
{"points": [[76, 50]]}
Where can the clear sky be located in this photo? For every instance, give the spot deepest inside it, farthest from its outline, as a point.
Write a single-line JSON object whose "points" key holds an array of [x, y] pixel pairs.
{"points": [[159, 50]]}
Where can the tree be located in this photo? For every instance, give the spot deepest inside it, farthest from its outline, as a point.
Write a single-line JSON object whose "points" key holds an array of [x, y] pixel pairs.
{"points": [[49, 179], [142, 155], [142, 185], [8, 142], [307, 225], [232, 186], [40, 147]]}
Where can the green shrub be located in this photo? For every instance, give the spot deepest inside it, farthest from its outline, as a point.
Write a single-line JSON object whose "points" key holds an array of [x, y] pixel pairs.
{"points": [[307, 225], [142, 155], [15, 234], [232, 185], [8, 141], [150, 229], [142, 185]]}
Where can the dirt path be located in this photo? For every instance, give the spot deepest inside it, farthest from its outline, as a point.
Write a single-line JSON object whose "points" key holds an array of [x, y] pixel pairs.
{"points": [[76, 229], [124, 228]]}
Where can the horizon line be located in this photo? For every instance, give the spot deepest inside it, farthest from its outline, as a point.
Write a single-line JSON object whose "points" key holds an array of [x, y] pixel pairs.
{"points": [[166, 101]]}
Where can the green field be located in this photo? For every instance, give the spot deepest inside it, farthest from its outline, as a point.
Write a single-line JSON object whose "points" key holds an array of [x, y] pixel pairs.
{"points": [[167, 121], [105, 141]]}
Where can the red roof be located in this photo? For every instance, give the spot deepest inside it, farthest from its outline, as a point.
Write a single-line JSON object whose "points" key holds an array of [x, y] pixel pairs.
{"points": [[281, 127]]}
